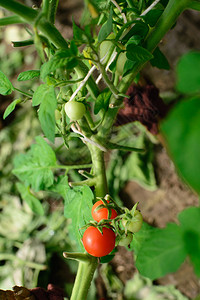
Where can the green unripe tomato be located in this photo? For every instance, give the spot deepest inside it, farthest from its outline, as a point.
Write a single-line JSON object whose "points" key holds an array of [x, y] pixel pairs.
{"points": [[106, 47], [133, 225], [75, 110], [58, 115], [126, 240], [120, 63]]}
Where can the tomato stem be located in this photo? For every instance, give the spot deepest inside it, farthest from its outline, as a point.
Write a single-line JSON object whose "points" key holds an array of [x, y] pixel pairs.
{"points": [[83, 278]]}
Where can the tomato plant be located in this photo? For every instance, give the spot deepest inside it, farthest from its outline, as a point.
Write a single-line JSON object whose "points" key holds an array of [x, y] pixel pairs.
{"points": [[80, 97], [100, 213], [98, 244]]}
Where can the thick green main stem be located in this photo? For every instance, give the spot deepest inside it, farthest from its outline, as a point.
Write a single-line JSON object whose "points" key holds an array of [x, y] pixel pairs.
{"points": [[86, 269], [99, 171], [83, 279]]}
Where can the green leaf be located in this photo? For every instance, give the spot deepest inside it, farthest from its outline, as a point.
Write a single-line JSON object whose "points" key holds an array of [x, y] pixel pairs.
{"points": [[30, 199], [62, 59], [78, 205], [78, 33], [61, 186], [190, 219], [107, 28], [195, 4], [181, 132], [102, 101], [11, 107], [162, 253], [73, 48], [140, 237], [159, 60], [46, 97], [139, 29], [188, 75], [129, 64], [143, 171], [6, 86], [35, 167], [138, 54], [152, 16], [27, 75], [190, 225], [38, 94]]}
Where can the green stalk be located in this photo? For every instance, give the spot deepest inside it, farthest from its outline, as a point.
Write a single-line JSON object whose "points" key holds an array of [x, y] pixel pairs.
{"points": [[99, 171], [83, 279], [11, 20], [52, 10], [30, 16], [45, 8], [49, 9], [23, 11]]}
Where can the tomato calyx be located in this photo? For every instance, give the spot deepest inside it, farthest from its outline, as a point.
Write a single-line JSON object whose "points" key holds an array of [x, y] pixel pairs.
{"points": [[99, 225], [103, 209]]}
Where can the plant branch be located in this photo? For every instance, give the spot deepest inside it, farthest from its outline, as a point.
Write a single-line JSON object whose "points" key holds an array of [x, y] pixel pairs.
{"points": [[26, 13], [52, 10], [150, 7], [11, 20], [83, 278]]}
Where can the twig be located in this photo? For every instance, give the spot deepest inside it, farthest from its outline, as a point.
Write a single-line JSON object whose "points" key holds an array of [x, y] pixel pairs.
{"points": [[107, 67], [86, 139], [120, 10], [82, 83], [150, 7]]}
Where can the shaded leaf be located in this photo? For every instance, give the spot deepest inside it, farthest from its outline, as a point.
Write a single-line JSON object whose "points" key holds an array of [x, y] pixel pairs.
{"points": [[159, 60], [152, 16], [11, 107], [139, 29], [107, 28], [6, 86], [138, 54]]}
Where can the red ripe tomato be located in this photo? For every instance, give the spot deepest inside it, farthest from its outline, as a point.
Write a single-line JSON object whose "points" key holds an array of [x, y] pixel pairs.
{"points": [[102, 213], [97, 244]]}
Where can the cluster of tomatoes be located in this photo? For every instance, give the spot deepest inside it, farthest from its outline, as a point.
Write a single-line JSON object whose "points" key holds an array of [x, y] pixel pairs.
{"points": [[100, 238]]}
